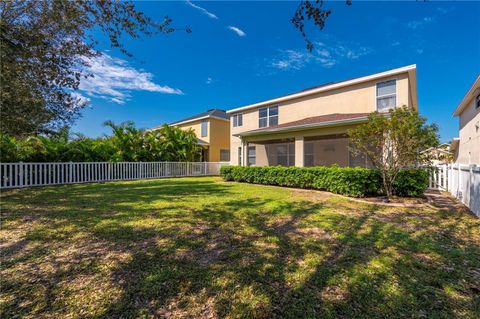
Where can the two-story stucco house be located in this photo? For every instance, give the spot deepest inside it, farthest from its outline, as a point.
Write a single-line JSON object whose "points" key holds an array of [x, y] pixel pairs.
{"points": [[467, 147], [212, 129], [308, 128]]}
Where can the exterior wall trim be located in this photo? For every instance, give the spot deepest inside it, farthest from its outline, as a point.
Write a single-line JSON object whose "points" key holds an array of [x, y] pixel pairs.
{"points": [[200, 118], [466, 97]]}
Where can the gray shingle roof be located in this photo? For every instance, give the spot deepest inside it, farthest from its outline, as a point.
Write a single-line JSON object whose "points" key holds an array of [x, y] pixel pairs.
{"points": [[213, 112]]}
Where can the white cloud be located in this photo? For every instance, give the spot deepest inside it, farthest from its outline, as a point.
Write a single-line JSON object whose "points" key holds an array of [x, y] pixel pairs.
{"points": [[202, 10], [209, 80], [238, 31], [292, 60], [420, 23], [114, 80], [325, 55]]}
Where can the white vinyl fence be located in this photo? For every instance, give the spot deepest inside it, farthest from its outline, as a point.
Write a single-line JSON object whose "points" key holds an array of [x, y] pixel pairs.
{"points": [[462, 181], [15, 175]]}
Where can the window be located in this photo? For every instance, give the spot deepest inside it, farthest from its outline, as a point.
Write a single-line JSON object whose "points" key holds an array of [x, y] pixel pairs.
{"points": [[386, 95], [251, 155], [224, 155], [308, 154], [286, 154], [477, 102], [237, 120], [239, 156], [204, 128], [268, 116]]}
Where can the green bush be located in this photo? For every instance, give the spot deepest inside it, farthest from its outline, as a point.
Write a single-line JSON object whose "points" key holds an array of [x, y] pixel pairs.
{"points": [[349, 181], [411, 182]]}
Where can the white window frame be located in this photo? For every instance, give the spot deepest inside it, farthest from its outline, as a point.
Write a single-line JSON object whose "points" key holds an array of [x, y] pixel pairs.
{"points": [[386, 95], [201, 128], [225, 151], [254, 156], [268, 115], [235, 118]]}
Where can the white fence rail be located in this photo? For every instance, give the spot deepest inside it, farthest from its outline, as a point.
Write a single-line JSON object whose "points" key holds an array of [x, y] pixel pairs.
{"points": [[16, 175], [462, 181]]}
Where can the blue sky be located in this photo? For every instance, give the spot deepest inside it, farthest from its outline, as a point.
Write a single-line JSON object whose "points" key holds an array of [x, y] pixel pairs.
{"points": [[245, 52]]}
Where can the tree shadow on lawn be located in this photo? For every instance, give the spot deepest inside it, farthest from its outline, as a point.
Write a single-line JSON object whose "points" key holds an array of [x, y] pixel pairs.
{"points": [[359, 267], [250, 258]]}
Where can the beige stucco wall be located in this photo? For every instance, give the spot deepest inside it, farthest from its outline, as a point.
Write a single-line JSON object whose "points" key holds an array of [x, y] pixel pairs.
{"points": [[358, 98], [469, 147], [218, 136]]}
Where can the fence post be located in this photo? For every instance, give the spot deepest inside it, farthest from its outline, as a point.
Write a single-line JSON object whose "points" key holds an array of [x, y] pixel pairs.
{"points": [[459, 180], [20, 174]]}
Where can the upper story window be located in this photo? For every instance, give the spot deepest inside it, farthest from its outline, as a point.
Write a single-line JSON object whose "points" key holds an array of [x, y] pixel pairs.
{"points": [[237, 119], [268, 116], [386, 95], [204, 128], [477, 102]]}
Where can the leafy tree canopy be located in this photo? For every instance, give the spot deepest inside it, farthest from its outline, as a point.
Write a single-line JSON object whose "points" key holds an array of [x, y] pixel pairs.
{"points": [[44, 49], [394, 141]]}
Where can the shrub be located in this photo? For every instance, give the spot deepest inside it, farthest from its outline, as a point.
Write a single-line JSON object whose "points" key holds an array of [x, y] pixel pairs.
{"points": [[349, 181], [411, 182]]}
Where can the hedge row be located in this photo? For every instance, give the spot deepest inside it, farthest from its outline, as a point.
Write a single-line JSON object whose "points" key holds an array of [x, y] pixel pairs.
{"points": [[349, 181]]}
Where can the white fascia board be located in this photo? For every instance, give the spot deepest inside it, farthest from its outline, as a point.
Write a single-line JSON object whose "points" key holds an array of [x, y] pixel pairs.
{"points": [[200, 118], [326, 88], [466, 98]]}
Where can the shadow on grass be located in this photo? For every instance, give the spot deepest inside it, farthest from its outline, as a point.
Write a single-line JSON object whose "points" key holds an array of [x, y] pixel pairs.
{"points": [[251, 256]]}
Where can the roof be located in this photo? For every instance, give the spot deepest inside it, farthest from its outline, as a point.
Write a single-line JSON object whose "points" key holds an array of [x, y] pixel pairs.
{"points": [[202, 142], [330, 86], [472, 92], [311, 122], [213, 113]]}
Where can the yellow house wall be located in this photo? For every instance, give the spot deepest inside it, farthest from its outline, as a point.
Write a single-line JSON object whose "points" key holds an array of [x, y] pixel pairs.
{"points": [[196, 126], [358, 98], [218, 135], [469, 147]]}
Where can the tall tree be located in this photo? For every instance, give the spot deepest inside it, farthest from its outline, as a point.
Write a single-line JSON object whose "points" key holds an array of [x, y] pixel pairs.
{"points": [[394, 141], [44, 49]]}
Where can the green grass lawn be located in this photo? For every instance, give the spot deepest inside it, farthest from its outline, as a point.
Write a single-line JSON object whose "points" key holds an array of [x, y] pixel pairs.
{"points": [[203, 248]]}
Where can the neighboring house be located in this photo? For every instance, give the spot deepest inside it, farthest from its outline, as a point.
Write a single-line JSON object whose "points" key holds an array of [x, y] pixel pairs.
{"points": [[467, 146], [213, 133], [308, 128], [439, 155]]}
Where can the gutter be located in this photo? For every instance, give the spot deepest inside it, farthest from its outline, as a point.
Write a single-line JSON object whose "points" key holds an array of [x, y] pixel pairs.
{"points": [[191, 120]]}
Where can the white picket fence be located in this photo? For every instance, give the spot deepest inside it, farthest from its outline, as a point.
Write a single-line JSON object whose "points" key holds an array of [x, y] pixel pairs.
{"points": [[462, 181], [16, 175]]}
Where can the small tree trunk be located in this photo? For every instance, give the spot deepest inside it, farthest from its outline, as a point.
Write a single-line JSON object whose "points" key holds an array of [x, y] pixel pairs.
{"points": [[387, 185]]}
